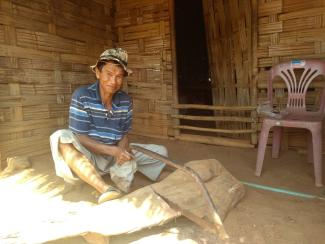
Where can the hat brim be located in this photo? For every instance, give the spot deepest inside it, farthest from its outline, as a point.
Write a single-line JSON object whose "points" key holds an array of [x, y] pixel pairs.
{"points": [[126, 69]]}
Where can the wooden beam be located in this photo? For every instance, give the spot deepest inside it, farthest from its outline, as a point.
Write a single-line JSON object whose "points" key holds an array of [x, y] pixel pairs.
{"points": [[216, 141], [215, 118], [226, 131], [174, 61], [212, 107]]}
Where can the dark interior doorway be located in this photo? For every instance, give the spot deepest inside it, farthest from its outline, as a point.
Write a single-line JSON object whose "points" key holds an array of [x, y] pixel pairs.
{"points": [[194, 86], [191, 52]]}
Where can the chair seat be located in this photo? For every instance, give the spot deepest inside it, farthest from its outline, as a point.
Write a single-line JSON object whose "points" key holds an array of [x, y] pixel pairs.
{"points": [[303, 120]]}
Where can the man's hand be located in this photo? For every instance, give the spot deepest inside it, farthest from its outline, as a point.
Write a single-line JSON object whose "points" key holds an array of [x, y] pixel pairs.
{"points": [[122, 155], [121, 151]]}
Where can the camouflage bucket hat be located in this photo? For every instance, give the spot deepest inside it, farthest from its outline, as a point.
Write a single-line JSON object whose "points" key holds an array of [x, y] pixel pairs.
{"points": [[117, 54]]}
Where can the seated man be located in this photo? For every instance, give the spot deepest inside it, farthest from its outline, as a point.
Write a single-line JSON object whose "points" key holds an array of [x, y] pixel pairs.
{"points": [[96, 142]]}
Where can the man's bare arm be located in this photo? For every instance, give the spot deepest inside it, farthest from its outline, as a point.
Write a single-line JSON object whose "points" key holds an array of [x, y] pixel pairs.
{"points": [[119, 152], [124, 142]]}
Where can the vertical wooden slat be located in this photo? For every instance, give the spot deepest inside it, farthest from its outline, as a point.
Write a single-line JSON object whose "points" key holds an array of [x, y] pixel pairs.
{"points": [[174, 72]]}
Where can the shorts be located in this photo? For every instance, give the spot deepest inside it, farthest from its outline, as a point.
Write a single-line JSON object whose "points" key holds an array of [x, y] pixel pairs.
{"points": [[148, 166]]}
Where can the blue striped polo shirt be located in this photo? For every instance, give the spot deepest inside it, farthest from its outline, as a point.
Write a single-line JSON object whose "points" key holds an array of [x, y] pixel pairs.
{"points": [[89, 116]]}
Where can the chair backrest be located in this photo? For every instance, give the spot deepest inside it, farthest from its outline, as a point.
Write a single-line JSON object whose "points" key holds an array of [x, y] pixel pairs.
{"points": [[297, 85]]}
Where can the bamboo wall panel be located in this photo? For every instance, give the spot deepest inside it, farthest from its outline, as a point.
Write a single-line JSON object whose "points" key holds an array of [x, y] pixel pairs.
{"points": [[143, 29], [46, 48], [229, 31], [289, 29]]}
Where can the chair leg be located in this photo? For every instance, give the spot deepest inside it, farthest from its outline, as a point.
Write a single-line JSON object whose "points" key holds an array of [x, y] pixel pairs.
{"points": [[276, 141], [261, 149], [310, 158], [317, 154]]}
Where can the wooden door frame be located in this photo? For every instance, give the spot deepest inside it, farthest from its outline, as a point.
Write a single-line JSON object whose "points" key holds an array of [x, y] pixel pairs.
{"points": [[171, 7]]}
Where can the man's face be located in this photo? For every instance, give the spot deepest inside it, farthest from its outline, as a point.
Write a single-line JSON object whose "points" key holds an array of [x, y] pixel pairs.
{"points": [[110, 78]]}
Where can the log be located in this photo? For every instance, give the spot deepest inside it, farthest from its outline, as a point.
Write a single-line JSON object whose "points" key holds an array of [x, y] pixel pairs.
{"points": [[142, 208], [190, 172]]}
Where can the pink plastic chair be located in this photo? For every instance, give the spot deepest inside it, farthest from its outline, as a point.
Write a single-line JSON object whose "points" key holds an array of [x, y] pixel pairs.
{"points": [[295, 114]]}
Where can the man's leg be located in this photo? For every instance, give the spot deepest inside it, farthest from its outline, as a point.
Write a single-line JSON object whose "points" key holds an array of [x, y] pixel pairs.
{"points": [[148, 166], [82, 167], [85, 170]]}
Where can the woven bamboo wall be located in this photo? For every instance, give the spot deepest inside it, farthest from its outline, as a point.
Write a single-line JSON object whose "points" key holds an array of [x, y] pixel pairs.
{"points": [[46, 48], [143, 29], [289, 29], [229, 29]]}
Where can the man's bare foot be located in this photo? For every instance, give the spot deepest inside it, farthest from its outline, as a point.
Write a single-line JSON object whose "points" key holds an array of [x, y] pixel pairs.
{"points": [[94, 238], [110, 194]]}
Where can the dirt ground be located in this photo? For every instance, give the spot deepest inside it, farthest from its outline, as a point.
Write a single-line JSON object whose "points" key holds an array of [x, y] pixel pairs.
{"points": [[260, 217]]}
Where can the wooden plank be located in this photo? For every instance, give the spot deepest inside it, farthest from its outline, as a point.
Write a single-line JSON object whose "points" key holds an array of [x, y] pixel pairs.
{"points": [[225, 131], [214, 118], [221, 141], [212, 107]]}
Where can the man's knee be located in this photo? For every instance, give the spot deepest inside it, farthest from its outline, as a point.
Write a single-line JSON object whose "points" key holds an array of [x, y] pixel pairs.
{"points": [[69, 152], [162, 150], [66, 148]]}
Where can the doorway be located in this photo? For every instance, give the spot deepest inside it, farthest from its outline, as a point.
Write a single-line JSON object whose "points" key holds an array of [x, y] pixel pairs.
{"points": [[191, 52], [193, 80]]}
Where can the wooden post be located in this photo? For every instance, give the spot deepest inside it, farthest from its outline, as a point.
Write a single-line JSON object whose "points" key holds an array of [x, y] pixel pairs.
{"points": [[174, 64], [254, 128]]}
